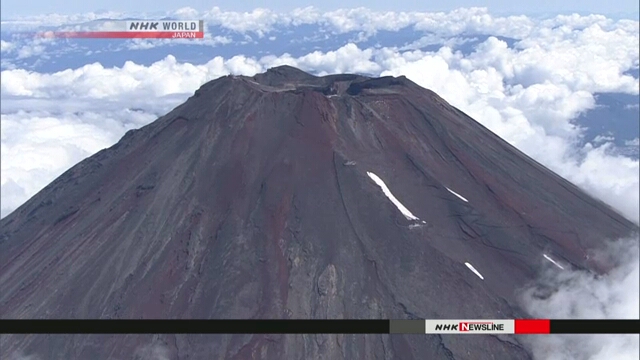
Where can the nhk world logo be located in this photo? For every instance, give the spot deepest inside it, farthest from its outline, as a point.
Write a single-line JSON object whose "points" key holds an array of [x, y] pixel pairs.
{"points": [[135, 29], [166, 25], [470, 326]]}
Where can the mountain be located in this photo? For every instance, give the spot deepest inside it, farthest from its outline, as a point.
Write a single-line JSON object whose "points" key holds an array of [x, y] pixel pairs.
{"points": [[286, 195]]}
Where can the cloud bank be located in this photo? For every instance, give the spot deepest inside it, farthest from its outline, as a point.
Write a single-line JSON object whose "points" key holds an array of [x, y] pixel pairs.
{"points": [[263, 21], [577, 294]]}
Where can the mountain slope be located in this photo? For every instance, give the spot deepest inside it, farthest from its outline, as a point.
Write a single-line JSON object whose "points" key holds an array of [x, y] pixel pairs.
{"points": [[257, 198]]}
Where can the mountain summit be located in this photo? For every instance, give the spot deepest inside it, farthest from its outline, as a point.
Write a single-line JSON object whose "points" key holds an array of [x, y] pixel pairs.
{"points": [[287, 195]]}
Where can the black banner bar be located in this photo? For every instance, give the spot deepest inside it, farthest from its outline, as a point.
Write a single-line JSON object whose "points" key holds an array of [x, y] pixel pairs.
{"points": [[110, 326], [130, 326], [595, 326]]}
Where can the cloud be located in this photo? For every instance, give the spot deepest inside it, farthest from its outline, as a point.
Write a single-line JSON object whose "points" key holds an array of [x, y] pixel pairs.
{"points": [[39, 146], [348, 58], [263, 21], [18, 49], [208, 40], [97, 82], [600, 139], [634, 142], [578, 294], [25, 23], [31, 50], [6, 46], [433, 39]]}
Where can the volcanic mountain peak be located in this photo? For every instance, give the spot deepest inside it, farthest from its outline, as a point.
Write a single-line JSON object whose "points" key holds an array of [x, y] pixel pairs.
{"points": [[287, 78], [287, 195], [284, 73]]}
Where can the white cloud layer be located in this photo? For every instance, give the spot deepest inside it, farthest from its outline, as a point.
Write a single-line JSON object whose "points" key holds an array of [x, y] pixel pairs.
{"points": [[528, 94], [6, 46], [263, 21], [38, 146], [577, 294]]}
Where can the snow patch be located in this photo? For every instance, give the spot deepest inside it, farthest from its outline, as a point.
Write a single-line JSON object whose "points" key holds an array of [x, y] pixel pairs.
{"points": [[473, 269], [553, 261], [458, 195], [393, 199], [417, 225]]}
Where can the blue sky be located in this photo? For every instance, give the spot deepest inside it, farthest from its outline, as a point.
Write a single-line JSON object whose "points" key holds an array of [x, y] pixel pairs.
{"points": [[11, 8]]}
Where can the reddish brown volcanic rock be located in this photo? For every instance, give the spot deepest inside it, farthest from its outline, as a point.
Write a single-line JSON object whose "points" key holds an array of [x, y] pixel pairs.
{"points": [[252, 200]]}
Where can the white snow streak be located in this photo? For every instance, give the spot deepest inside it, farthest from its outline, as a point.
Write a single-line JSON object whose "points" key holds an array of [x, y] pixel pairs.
{"points": [[553, 261], [458, 195], [393, 199], [474, 270]]}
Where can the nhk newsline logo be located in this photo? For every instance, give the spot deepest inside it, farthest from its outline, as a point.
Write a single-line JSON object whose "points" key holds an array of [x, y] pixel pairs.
{"points": [[134, 29], [470, 326]]}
